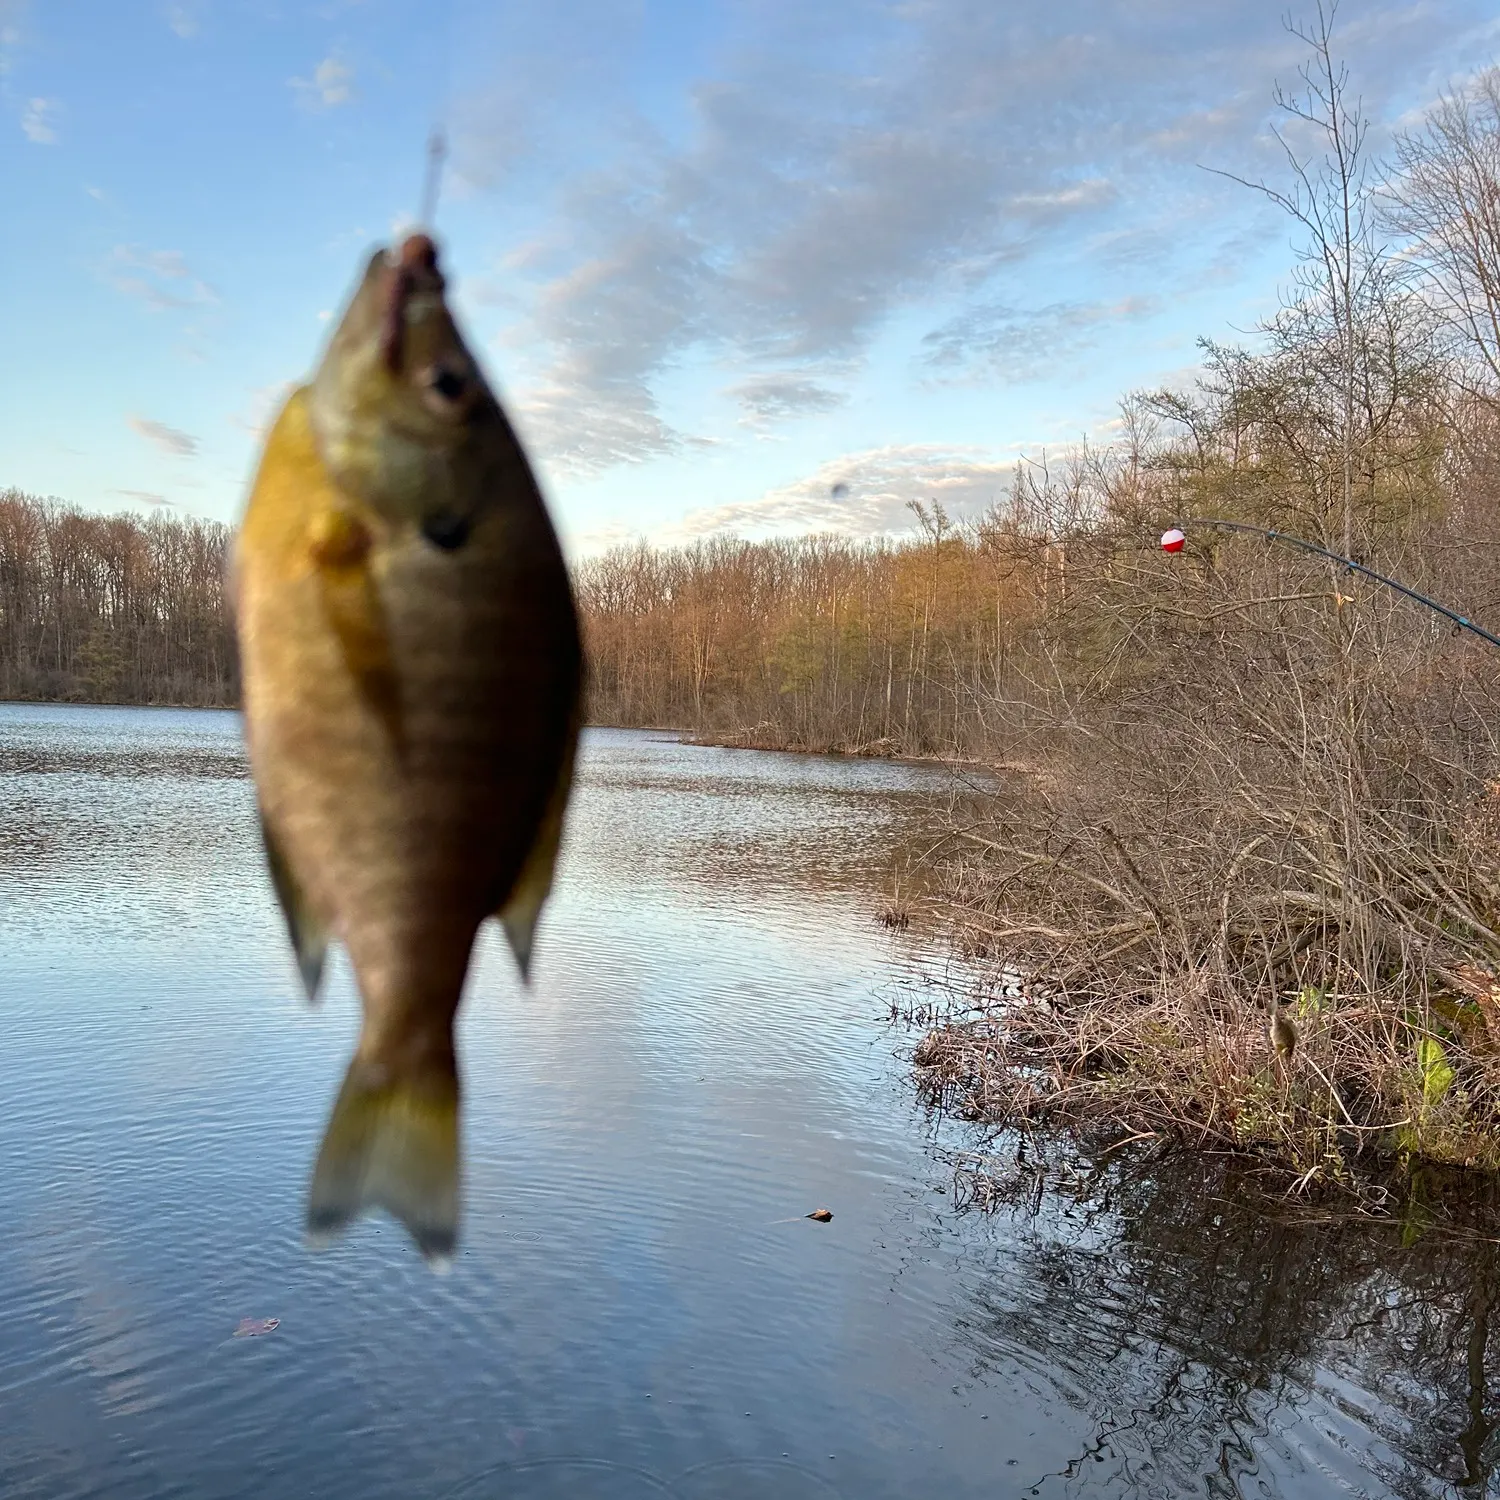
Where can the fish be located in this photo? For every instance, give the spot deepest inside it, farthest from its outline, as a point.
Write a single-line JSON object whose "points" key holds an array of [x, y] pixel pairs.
{"points": [[412, 674]]}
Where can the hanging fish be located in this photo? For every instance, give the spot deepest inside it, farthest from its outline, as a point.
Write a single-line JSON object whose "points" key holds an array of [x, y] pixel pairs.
{"points": [[412, 675]]}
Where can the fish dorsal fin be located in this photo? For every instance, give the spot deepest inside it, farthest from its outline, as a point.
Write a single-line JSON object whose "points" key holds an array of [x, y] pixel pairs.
{"points": [[523, 907], [308, 933]]}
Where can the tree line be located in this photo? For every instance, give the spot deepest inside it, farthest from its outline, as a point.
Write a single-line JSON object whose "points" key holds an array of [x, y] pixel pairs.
{"points": [[112, 609], [820, 643]]}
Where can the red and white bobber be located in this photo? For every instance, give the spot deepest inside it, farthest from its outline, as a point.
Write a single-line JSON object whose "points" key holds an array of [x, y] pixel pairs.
{"points": [[1171, 541]]}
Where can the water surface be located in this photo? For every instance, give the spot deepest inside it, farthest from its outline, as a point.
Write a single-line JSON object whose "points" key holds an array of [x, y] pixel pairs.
{"points": [[701, 1059]]}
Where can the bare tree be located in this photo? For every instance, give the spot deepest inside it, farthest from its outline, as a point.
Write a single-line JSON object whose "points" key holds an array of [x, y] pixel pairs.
{"points": [[1446, 201], [1343, 280]]}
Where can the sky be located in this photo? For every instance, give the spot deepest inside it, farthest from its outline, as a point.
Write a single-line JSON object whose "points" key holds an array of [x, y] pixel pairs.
{"points": [[760, 266]]}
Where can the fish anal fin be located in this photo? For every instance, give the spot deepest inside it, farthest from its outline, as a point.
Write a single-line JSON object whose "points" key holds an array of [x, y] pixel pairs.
{"points": [[392, 1143], [308, 932]]}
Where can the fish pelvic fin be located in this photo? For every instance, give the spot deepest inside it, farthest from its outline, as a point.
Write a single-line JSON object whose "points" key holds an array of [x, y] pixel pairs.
{"points": [[308, 933], [523, 907], [391, 1143]]}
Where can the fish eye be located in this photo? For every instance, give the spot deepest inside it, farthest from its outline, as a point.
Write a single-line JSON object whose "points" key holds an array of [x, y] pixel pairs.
{"points": [[446, 531], [445, 386]]}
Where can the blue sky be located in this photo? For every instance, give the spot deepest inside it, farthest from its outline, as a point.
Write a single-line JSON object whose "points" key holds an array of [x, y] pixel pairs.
{"points": [[717, 257]]}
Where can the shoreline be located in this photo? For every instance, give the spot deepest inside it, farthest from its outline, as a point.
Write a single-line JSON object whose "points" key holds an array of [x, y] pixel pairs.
{"points": [[857, 752], [684, 736], [113, 703]]}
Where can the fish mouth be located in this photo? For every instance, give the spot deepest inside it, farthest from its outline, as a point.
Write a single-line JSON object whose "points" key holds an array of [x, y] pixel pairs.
{"points": [[415, 268]]}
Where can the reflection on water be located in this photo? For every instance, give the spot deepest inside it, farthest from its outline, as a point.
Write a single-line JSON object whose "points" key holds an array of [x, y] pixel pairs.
{"points": [[1229, 1352], [631, 1313]]}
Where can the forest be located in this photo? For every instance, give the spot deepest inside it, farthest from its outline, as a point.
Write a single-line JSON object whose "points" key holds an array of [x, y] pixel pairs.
{"points": [[112, 609]]}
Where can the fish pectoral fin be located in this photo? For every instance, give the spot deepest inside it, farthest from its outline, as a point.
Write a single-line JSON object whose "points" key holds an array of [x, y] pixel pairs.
{"points": [[523, 907], [340, 550], [391, 1143], [308, 933]]}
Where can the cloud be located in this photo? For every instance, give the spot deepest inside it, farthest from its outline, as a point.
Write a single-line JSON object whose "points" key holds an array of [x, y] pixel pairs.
{"points": [[583, 426], [592, 408], [776, 398], [847, 168], [12, 13], [39, 121], [331, 84], [146, 497], [162, 279], [183, 19], [863, 494], [168, 439], [1011, 345], [1089, 192]]}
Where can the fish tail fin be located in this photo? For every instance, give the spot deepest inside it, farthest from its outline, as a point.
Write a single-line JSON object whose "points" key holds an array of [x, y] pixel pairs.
{"points": [[392, 1143]]}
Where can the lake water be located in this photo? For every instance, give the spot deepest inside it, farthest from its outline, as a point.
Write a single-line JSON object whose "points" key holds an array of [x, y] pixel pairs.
{"points": [[702, 1058]]}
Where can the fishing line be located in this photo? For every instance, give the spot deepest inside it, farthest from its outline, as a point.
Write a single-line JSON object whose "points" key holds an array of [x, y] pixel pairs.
{"points": [[1172, 542], [437, 138], [437, 152]]}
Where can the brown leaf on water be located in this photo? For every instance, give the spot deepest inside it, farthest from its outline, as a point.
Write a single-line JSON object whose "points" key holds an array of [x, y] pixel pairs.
{"points": [[250, 1328]]}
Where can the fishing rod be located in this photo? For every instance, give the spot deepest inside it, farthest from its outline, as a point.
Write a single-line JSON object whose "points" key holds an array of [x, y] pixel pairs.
{"points": [[1173, 540]]}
